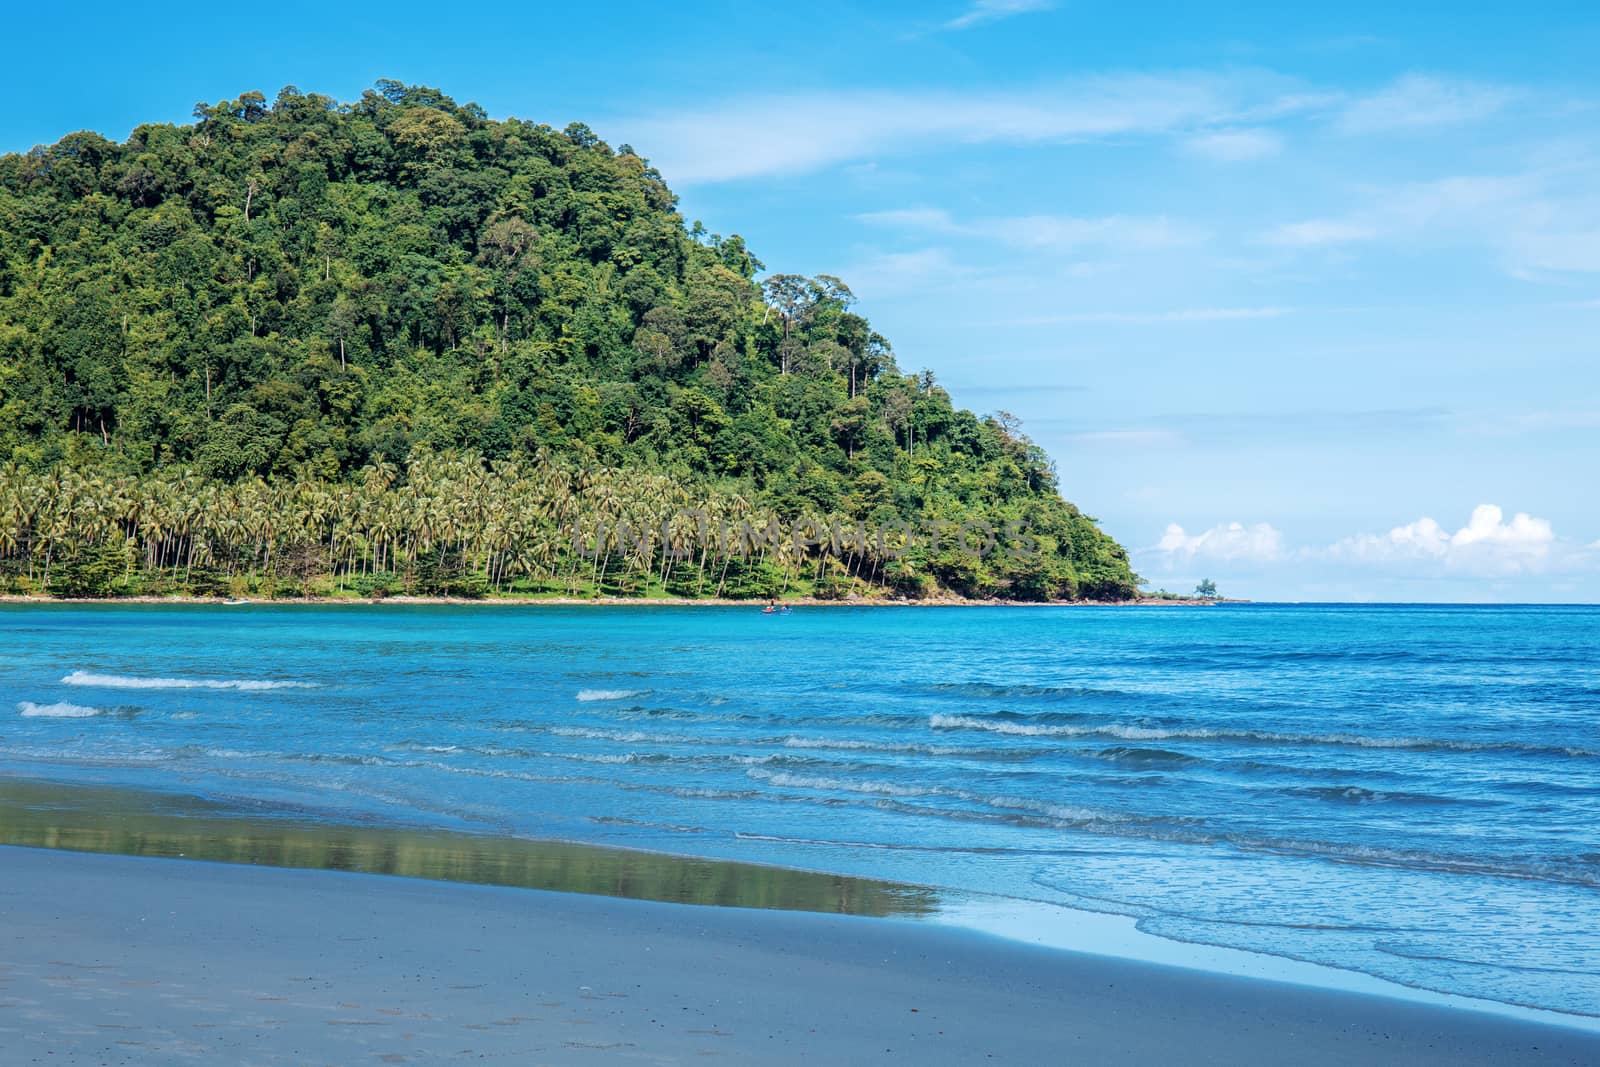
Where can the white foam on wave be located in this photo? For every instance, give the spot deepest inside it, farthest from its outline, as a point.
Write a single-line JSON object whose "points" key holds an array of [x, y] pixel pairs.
{"points": [[640, 737], [30, 710], [844, 785], [587, 695], [122, 681], [1147, 733]]}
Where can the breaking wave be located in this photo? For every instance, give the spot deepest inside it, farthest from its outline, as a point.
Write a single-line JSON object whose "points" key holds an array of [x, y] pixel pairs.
{"points": [[587, 695], [1272, 737], [30, 710], [122, 681]]}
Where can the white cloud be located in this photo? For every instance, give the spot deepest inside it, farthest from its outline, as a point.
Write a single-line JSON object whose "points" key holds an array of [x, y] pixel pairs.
{"points": [[1557, 250], [1488, 527], [1417, 101], [931, 219], [1490, 546], [1235, 146], [1048, 231], [885, 274], [994, 10], [1233, 542], [1536, 221], [800, 132], [1488, 543], [1317, 232]]}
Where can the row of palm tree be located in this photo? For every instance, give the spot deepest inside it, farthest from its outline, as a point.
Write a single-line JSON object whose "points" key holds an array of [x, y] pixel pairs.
{"points": [[445, 523]]}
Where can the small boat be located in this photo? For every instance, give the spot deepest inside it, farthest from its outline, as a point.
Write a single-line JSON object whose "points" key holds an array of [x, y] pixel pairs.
{"points": [[235, 601]]}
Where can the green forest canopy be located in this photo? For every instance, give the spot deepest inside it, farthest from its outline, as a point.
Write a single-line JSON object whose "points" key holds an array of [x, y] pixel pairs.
{"points": [[309, 301]]}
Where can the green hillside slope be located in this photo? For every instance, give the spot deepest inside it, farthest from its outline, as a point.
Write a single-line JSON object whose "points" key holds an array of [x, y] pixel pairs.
{"points": [[394, 345]]}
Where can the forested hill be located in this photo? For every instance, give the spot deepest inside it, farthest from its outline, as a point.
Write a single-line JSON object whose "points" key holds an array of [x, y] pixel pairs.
{"points": [[395, 345]]}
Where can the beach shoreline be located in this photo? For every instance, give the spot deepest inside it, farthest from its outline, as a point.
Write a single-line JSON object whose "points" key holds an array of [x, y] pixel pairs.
{"points": [[152, 960], [82, 817], [512, 600]]}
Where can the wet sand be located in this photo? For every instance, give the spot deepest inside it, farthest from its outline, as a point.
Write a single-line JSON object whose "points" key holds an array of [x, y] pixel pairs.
{"points": [[119, 959]]}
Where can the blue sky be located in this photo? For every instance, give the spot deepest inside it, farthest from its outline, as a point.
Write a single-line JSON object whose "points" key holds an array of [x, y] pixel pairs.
{"points": [[1302, 301]]}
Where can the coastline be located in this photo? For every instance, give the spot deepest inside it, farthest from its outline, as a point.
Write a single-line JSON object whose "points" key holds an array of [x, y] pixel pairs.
{"points": [[614, 601], [201, 960]]}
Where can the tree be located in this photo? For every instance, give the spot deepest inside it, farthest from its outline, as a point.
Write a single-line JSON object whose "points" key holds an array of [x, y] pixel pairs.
{"points": [[1207, 589], [396, 344]]}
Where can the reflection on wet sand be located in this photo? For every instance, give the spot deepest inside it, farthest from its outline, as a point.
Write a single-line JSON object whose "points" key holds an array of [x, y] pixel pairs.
{"points": [[132, 823]]}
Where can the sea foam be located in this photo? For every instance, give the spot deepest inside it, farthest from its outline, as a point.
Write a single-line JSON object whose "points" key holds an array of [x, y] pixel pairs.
{"points": [[1271, 737], [121, 681], [30, 710], [610, 694]]}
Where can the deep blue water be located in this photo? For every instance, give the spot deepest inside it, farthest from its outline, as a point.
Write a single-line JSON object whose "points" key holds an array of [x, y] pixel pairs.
{"points": [[1413, 792]]}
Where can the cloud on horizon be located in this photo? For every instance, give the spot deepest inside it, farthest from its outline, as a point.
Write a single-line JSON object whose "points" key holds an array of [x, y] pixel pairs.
{"points": [[1260, 543], [1488, 545]]}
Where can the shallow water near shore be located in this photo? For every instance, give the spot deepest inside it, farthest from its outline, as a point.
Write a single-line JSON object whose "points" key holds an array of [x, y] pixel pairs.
{"points": [[1409, 792], [128, 822]]}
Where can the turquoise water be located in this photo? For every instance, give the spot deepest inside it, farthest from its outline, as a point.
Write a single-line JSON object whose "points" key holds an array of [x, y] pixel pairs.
{"points": [[1413, 792]]}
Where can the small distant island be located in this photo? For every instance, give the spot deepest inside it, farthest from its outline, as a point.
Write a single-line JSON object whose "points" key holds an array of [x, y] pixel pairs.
{"points": [[304, 348]]}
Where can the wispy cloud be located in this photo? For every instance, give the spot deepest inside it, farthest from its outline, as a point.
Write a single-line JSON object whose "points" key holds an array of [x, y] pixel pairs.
{"points": [[1315, 233], [993, 11], [800, 132], [886, 274], [1418, 101], [1047, 231], [1536, 221], [1235, 146]]}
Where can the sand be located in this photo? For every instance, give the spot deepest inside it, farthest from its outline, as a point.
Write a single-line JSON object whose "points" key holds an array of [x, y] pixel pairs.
{"points": [[115, 959]]}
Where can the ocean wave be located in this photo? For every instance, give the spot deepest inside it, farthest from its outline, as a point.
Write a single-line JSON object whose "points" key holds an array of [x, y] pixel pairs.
{"points": [[1561, 870], [121, 681], [1273, 737], [643, 737], [1552, 870], [1147, 757], [848, 744], [1045, 694], [900, 846], [1063, 814], [1414, 950], [29, 710], [789, 779], [1355, 794], [587, 695]]}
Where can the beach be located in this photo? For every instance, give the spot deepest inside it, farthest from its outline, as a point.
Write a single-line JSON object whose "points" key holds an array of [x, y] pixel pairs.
{"points": [[655, 835], [113, 959]]}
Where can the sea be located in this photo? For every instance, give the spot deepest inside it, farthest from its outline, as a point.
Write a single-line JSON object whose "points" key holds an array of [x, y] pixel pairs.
{"points": [[1408, 792]]}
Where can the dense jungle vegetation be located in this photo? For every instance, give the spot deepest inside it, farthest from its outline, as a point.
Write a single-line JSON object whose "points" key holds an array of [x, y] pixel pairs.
{"points": [[394, 346]]}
